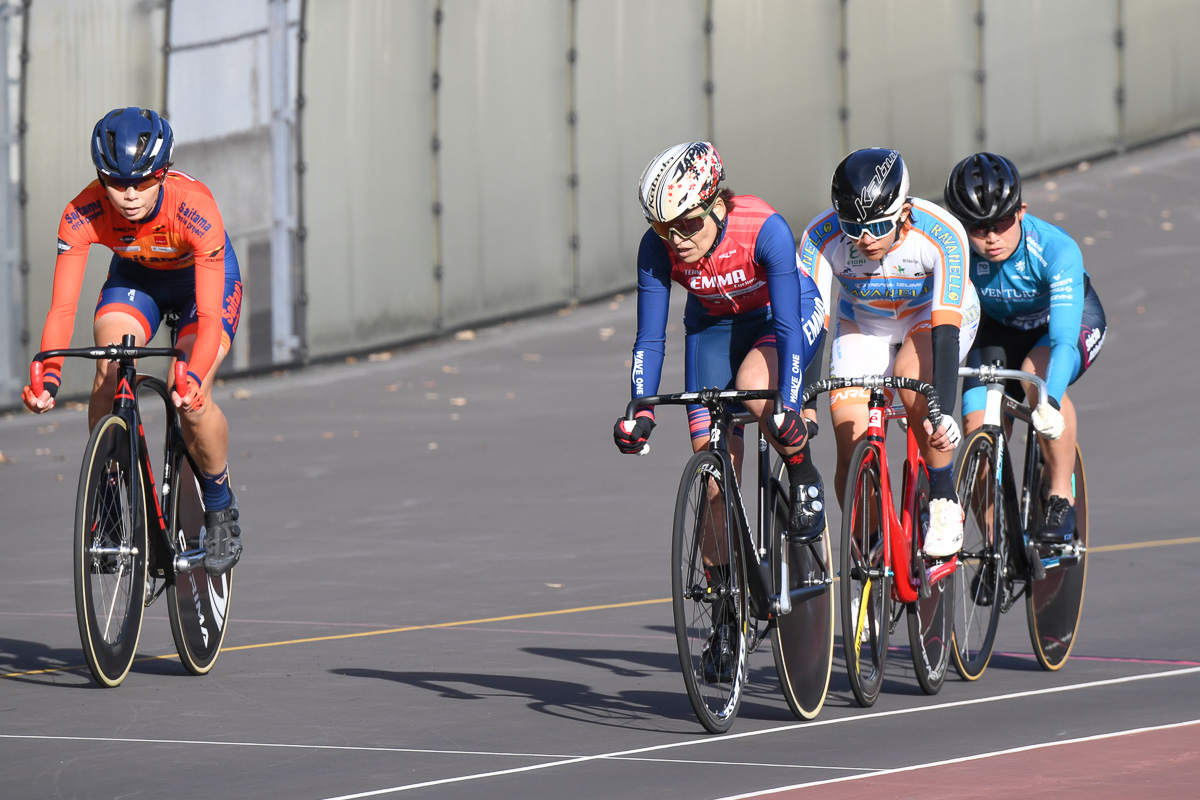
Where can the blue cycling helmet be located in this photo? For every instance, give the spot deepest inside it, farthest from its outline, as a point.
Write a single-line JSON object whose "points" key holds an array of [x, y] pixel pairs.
{"points": [[132, 143]]}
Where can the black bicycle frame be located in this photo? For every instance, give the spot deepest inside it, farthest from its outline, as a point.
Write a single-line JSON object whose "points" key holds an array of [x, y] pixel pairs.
{"points": [[1017, 514], [165, 558], [763, 602]]}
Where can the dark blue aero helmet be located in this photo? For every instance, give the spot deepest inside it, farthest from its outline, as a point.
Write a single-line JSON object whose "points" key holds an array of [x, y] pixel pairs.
{"points": [[131, 143]]}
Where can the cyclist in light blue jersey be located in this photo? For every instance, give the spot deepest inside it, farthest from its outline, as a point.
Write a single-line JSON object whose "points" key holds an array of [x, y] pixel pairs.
{"points": [[1040, 314]]}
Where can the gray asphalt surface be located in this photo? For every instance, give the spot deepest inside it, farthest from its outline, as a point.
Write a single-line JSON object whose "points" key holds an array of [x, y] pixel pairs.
{"points": [[455, 587]]}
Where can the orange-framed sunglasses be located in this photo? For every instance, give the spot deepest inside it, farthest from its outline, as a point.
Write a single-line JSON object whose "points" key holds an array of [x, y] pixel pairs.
{"points": [[141, 184]]}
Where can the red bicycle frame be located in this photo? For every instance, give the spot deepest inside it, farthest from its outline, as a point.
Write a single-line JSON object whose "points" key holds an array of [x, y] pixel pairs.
{"points": [[899, 529]]}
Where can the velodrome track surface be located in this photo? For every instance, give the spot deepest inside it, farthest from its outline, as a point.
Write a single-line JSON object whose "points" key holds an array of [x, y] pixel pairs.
{"points": [[455, 587]]}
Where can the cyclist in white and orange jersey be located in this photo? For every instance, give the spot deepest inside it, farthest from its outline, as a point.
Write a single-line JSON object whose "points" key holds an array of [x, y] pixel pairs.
{"points": [[905, 308]]}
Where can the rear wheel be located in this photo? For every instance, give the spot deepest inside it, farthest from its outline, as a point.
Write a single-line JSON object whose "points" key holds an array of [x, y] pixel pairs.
{"points": [[708, 595], [930, 619], [1053, 605], [110, 553], [803, 643], [197, 603], [977, 585], [865, 592]]}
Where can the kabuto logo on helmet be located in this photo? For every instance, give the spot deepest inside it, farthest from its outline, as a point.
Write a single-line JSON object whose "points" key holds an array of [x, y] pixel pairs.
{"points": [[871, 191]]}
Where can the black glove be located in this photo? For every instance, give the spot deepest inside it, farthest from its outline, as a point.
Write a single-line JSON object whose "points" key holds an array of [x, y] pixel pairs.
{"points": [[791, 430], [631, 440]]}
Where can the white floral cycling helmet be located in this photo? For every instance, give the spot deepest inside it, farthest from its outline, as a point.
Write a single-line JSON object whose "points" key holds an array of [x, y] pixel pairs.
{"points": [[679, 179]]}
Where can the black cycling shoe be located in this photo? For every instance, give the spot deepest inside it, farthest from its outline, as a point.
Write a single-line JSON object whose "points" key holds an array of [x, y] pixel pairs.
{"points": [[1059, 525], [720, 657], [807, 522], [222, 539]]}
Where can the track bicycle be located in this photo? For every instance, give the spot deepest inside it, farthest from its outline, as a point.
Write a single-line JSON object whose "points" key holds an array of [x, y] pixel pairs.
{"points": [[884, 571], [131, 543], [771, 587], [1000, 560]]}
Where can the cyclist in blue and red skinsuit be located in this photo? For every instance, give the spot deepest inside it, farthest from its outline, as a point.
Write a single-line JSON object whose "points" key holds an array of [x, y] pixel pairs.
{"points": [[170, 253], [1040, 314], [753, 319]]}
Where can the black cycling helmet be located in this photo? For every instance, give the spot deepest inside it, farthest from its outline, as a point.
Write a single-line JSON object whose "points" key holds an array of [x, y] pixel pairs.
{"points": [[983, 188], [131, 143], [870, 184]]}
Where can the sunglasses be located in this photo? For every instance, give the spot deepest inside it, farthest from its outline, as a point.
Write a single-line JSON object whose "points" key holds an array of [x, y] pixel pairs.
{"points": [[141, 184], [684, 227], [877, 228], [998, 226]]}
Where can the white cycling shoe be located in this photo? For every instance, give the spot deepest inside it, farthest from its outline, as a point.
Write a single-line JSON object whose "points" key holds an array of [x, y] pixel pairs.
{"points": [[945, 536]]}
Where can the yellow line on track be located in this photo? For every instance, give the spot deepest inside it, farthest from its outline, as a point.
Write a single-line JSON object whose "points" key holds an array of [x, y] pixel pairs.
{"points": [[361, 634], [1110, 548]]}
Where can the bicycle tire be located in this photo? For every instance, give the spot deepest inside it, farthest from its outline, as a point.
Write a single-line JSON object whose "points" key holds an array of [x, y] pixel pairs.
{"points": [[977, 585], [1054, 604], [110, 586], [803, 640], [930, 619], [865, 592], [197, 603], [695, 602]]}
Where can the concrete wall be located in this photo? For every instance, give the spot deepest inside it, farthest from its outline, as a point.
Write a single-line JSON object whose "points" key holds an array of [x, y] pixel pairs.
{"points": [[463, 160]]}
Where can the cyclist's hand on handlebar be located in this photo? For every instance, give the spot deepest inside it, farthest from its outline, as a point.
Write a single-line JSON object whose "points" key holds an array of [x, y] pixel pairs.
{"points": [[631, 436], [40, 404], [789, 428], [1048, 420], [190, 402], [946, 437]]}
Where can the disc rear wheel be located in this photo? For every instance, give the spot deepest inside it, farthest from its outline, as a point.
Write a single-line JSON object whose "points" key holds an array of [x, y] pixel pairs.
{"points": [[1053, 605], [803, 638], [197, 603]]}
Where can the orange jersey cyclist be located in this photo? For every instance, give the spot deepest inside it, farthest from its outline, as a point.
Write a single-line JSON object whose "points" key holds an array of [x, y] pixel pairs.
{"points": [[753, 320], [905, 307], [170, 254]]}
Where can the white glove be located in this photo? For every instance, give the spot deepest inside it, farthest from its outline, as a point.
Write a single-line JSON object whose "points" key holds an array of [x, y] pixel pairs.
{"points": [[952, 431], [1048, 421]]}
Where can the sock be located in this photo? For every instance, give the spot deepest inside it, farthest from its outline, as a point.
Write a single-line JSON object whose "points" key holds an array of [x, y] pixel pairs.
{"points": [[800, 467], [215, 489], [941, 484]]}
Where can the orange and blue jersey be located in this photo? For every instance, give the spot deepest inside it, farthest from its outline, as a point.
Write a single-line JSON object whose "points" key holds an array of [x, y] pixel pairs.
{"points": [[752, 271], [927, 265], [183, 236]]}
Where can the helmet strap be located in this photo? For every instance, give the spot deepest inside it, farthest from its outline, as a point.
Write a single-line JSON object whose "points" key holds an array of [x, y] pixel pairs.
{"points": [[720, 223]]}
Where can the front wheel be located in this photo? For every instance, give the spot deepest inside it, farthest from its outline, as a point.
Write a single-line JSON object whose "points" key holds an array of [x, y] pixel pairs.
{"points": [[1053, 605], [708, 595], [866, 595], [978, 580], [197, 603], [110, 553], [803, 641], [930, 619]]}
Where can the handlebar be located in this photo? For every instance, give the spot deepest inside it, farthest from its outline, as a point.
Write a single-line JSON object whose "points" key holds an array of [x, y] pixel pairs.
{"points": [[709, 398], [881, 382], [112, 352], [995, 374]]}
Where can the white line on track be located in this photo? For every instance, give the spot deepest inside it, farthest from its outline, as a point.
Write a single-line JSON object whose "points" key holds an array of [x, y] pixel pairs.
{"points": [[565, 760], [1026, 748]]}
